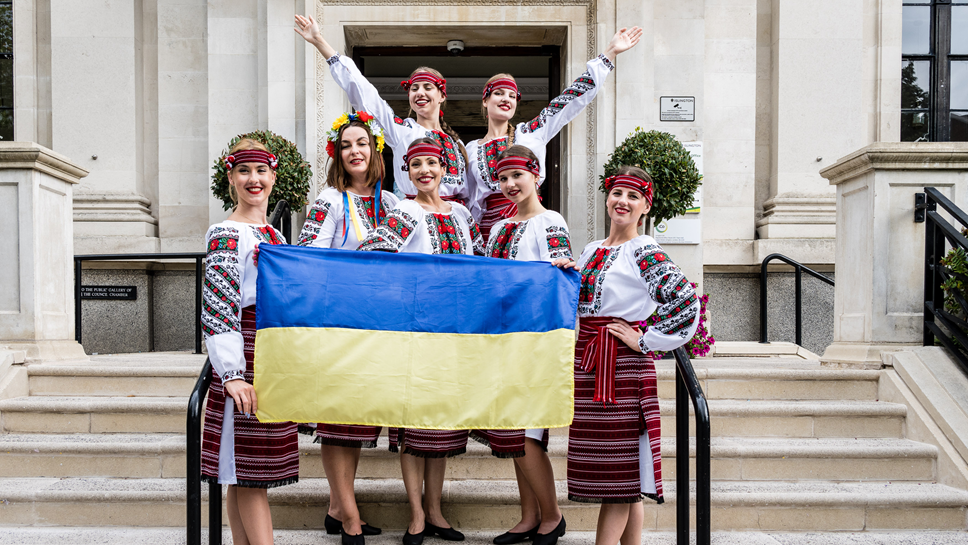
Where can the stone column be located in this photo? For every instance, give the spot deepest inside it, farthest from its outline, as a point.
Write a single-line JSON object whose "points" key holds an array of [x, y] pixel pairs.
{"points": [[36, 272], [879, 295]]}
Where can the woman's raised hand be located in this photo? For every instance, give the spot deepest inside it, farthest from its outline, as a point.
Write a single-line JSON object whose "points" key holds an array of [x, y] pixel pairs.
{"points": [[308, 29], [622, 41]]}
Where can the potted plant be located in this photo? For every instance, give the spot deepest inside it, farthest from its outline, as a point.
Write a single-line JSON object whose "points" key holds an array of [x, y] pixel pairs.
{"points": [[292, 174]]}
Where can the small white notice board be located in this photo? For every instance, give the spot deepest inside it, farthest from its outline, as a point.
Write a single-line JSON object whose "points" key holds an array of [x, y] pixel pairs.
{"points": [[677, 108]]}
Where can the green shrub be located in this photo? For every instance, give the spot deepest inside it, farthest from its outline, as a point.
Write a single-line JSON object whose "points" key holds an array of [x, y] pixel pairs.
{"points": [[667, 161], [292, 175]]}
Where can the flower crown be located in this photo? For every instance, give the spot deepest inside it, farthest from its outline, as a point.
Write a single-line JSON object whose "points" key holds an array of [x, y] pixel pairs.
{"points": [[332, 136]]}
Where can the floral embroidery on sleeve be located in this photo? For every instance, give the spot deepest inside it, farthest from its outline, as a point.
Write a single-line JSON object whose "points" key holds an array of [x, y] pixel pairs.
{"points": [[314, 222], [678, 303], [222, 294], [606, 62], [559, 244], [577, 88], [333, 60], [477, 240], [392, 234]]}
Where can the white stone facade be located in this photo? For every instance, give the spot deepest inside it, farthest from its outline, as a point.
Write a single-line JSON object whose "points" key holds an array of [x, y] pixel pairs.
{"points": [[154, 89]]}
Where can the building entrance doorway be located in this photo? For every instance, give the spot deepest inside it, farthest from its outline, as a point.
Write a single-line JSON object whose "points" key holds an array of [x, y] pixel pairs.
{"points": [[536, 69]]}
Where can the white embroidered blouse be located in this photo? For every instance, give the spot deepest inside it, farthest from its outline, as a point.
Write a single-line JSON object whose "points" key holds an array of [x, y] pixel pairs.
{"points": [[534, 134], [324, 223], [634, 280], [399, 133], [541, 238], [230, 286], [411, 229]]}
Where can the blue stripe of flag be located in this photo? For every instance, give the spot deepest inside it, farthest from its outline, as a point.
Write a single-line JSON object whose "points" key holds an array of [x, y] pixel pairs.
{"points": [[315, 287]]}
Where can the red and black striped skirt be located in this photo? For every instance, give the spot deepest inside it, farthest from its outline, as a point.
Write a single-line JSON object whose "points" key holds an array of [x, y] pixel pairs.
{"points": [[496, 208], [604, 465], [344, 435], [265, 455], [506, 443], [428, 443]]}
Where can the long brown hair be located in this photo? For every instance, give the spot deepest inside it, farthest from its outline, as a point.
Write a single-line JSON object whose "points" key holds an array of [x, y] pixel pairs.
{"points": [[443, 124], [375, 170], [510, 129], [628, 170]]}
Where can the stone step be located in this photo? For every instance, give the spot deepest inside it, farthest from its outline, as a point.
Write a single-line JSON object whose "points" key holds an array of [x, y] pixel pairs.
{"points": [[763, 418], [168, 536], [163, 456], [112, 381], [479, 505]]}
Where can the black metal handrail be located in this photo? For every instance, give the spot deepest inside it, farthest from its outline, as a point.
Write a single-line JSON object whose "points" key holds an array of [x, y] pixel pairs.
{"points": [[939, 324], [799, 269], [198, 257], [688, 388], [193, 450]]}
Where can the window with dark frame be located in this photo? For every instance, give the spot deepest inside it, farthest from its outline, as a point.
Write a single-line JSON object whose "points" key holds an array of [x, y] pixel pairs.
{"points": [[934, 71], [6, 70]]}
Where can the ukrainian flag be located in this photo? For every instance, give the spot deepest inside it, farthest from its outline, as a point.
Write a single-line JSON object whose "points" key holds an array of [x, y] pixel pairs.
{"points": [[413, 340]]}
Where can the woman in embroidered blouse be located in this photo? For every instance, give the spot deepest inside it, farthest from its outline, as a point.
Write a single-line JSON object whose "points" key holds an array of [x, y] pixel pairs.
{"points": [[625, 279], [342, 216], [532, 234], [500, 100], [426, 91], [427, 225], [237, 449]]}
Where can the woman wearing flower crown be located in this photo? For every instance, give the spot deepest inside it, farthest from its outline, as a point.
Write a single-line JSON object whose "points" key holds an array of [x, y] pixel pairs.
{"points": [[500, 100], [344, 213], [624, 279], [427, 92], [237, 449], [532, 234], [426, 225]]}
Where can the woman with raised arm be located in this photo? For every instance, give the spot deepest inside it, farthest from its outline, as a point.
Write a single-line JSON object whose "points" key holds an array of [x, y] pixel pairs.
{"points": [[500, 101], [237, 449], [532, 234], [427, 225], [344, 214], [624, 280], [426, 91]]}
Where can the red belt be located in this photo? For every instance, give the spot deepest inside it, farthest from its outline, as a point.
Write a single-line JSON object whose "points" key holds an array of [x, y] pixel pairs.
{"points": [[600, 355], [450, 198]]}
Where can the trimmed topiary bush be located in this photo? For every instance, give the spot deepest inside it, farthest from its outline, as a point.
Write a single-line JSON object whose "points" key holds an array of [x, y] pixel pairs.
{"points": [[667, 161], [292, 175]]}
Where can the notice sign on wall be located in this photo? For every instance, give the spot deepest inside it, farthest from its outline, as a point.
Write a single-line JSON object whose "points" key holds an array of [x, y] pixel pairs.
{"points": [[677, 108], [124, 293]]}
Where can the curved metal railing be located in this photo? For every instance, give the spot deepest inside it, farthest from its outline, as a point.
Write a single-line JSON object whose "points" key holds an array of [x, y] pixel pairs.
{"points": [[799, 269], [688, 389]]}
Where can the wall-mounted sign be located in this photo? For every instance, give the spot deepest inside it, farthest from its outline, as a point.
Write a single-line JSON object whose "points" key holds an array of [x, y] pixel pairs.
{"points": [[124, 293], [677, 108], [679, 230]]}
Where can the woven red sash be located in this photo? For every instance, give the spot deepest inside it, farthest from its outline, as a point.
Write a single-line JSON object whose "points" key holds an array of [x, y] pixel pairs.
{"points": [[600, 350]]}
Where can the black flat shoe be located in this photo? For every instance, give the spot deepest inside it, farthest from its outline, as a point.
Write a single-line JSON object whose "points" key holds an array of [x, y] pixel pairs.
{"points": [[347, 539], [334, 526], [412, 539], [551, 538], [448, 534], [507, 538]]}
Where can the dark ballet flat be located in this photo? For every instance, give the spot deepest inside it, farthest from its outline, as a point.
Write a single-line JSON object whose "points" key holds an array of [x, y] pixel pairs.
{"points": [[347, 539], [412, 539], [507, 538], [448, 534], [334, 526], [551, 538]]}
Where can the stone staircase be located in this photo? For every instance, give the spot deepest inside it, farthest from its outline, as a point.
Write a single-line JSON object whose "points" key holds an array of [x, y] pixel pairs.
{"points": [[796, 448]]}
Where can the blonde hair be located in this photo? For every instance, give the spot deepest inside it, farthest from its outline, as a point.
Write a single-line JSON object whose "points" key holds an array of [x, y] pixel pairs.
{"points": [[443, 124], [375, 170], [241, 145], [510, 129]]}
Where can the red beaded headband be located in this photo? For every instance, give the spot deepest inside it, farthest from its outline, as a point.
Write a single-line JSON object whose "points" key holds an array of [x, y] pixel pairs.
{"points": [[441, 83], [422, 150], [521, 163], [251, 156], [632, 182], [501, 83]]}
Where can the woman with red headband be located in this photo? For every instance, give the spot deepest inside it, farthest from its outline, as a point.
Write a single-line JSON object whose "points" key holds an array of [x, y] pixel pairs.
{"points": [[237, 449], [500, 100], [624, 280], [426, 91], [532, 234], [426, 225], [348, 210]]}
